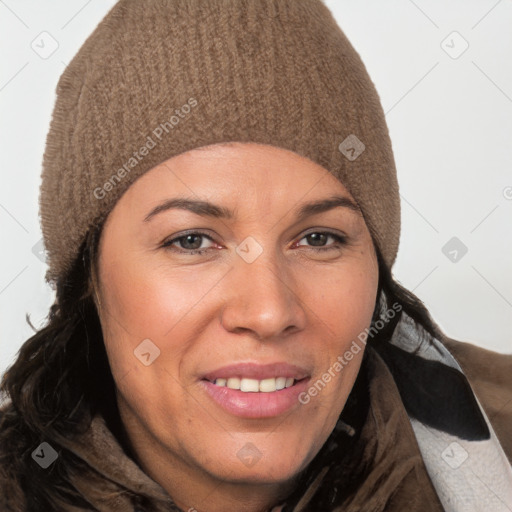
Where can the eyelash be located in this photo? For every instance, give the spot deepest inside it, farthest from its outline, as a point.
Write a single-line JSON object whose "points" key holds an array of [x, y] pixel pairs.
{"points": [[340, 241]]}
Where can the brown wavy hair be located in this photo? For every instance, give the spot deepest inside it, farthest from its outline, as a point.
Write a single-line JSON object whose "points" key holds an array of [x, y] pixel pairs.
{"points": [[61, 379]]}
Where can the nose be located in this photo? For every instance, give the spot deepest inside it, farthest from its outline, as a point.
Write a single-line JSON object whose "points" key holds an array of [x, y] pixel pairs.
{"points": [[264, 298]]}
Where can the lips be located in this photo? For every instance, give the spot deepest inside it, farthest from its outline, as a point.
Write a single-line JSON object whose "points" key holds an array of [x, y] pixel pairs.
{"points": [[269, 400], [256, 405], [257, 371]]}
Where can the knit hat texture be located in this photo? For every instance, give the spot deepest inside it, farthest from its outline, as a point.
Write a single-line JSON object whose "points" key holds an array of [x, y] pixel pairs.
{"points": [[157, 78]]}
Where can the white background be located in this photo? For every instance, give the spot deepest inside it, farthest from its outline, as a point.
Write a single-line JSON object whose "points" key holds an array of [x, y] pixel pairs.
{"points": [[450, 121]]}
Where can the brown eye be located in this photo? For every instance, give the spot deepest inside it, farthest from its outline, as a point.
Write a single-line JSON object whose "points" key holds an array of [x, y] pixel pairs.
{"points": [[189, 243], [317, 239]]}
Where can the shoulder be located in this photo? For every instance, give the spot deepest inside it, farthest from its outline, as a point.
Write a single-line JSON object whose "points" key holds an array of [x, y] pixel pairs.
{"points": [[490, 376], [482, 366]]}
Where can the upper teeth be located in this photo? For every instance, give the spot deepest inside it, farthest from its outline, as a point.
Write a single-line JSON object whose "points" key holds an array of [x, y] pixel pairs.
{"points": [[254, 385]]}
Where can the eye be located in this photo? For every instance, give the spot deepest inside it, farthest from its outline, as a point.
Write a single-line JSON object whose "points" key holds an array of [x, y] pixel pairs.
{"points": [[318, 238], [190, 243]]}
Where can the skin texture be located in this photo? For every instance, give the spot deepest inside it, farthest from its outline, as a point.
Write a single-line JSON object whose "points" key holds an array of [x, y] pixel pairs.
{"points": [[204, 311]]}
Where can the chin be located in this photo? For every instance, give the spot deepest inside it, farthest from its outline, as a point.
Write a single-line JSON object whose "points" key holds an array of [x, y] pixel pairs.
{"points": [[277, 466]]}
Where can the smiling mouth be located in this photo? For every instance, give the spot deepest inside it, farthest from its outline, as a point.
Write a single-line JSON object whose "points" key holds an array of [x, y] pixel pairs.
{"points": [[247, 385], [256, 398]]}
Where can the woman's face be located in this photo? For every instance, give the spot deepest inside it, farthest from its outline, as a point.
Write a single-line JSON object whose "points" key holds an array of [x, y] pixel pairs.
{"points": [[274, 293]]}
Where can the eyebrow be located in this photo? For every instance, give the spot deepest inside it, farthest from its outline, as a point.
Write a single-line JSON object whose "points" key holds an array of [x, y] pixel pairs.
{"points": [[208, 209]]}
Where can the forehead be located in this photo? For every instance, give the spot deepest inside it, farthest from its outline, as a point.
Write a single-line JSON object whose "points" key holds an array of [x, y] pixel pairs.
{"points": [[246, 168]]}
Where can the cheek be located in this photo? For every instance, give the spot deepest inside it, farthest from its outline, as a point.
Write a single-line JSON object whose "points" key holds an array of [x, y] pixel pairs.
{"points": [[144, 313], [344, 310], [144, 301], [347, 301]]}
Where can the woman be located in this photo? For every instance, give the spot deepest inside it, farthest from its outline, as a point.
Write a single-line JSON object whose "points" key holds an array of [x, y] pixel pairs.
{"points": [[221, 214]]}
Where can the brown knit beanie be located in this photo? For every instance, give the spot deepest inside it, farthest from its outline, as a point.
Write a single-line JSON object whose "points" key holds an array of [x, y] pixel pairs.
{"points": [[160, 77]]}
